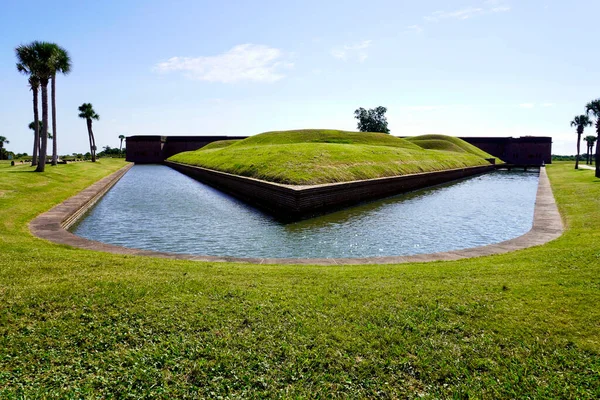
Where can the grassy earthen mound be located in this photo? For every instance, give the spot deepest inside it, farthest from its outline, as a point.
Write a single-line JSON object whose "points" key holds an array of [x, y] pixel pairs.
{"points": [[316, 156], [448, 143]]}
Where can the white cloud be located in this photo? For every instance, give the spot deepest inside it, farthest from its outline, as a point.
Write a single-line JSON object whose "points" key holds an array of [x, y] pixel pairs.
{"points": [[465, 13], [548, 105], [497, 6], [244, 62], [415, 28], [527, 105], [357, 50], [488, 7]]}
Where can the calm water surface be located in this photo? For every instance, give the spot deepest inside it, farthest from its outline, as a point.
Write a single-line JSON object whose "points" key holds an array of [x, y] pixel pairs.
{"points": [[156, 208]]}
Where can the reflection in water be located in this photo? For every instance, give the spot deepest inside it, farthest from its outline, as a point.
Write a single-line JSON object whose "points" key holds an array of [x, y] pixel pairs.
{"points": [[156, 208]]}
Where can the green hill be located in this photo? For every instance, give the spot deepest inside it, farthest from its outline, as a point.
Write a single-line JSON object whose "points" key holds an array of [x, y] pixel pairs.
{"points": [[327, 136], [448, 143], [308, 157], [219, 144]]}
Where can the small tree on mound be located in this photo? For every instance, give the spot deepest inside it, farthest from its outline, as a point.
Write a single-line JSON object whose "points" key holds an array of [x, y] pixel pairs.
{"points": [[372, 120]]}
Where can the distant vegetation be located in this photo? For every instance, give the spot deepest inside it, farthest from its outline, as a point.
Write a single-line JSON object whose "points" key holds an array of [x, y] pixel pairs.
{"points": [[3, 141], [572, 157], [306, 157]]}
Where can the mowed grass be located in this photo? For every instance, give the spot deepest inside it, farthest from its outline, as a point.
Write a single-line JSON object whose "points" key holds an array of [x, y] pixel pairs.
{"points": [[219, 144], [448, 143], [308, 157], [83, 324]]}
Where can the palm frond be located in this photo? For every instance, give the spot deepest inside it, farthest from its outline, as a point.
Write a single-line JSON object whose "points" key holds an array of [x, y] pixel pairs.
{"points": [[87, 111], [593, 107]]}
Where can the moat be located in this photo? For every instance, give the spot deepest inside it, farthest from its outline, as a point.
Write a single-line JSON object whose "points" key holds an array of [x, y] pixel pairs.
{"points": [[156, 208]]}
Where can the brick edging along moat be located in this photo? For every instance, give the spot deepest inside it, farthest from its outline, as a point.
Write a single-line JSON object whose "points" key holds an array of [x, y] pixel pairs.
{"points": [[52, 225]]}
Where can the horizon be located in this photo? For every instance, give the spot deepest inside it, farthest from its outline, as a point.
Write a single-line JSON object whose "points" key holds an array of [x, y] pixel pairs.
{"points": [[487, 68]]}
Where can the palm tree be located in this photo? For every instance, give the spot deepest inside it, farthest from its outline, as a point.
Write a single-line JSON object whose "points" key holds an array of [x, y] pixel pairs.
{"points": [[37, 59], [121, 145], [580, 121], [87, 112], [590, 139], [28, 64], [32, 127], [2, 141], [593, 107], [61, 62]]}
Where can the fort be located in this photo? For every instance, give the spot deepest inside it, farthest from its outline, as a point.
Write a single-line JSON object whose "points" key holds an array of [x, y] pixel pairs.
{"points": [[522, 151], [295, 201]]}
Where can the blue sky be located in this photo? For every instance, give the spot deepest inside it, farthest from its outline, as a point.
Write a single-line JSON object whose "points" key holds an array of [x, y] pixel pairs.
{"points": [[463, 68]]}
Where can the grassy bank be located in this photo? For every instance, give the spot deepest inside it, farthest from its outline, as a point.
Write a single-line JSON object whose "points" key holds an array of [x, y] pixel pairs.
{"points": [[324, 156], [76, 323], [448, 143]]}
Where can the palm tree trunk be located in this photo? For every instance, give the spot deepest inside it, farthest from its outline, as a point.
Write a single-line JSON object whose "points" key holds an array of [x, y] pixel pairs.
{"points": [[578, 149], [94, 141], [89, 128], [120, 145], [36, 121], [598, 160], [44, 148], [54, 145], [598, 149]]}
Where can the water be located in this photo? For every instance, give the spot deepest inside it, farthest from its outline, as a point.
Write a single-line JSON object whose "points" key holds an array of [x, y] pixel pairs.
{"points": [[156, 208]]}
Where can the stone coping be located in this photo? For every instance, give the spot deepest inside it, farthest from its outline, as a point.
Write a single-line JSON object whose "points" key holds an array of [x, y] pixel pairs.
{"points": [[302, 200], [304, 188], [52, 225]]}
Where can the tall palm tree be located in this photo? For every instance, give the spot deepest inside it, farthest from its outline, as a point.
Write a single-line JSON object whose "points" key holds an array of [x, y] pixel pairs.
{"points": [[87, 112], [3, 140], [580, 121], [61, 62], [121, 144], [38, 59], [28, 64], [593, 107], [590, 139]]}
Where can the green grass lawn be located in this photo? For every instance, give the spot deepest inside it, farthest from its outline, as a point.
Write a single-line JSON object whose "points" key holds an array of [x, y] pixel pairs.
{"points": [[308, 157], [82, 324]]}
